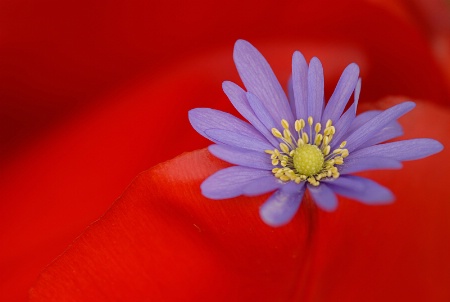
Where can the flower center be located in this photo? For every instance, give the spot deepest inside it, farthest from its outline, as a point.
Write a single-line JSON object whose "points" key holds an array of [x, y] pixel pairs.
{"points": [[306, 155], [308, 160]]}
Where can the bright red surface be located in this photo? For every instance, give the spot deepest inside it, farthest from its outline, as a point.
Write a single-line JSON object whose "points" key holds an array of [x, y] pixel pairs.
{"points": [[93, 94]]}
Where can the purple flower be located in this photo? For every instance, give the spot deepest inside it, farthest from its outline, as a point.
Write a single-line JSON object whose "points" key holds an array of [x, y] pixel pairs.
{"points": [[290, 145]]}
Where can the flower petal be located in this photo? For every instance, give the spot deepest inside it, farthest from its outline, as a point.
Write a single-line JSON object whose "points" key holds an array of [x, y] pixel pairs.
{"points": [[361, 135], [259, 79], [300, 85], [341, 94], [393, 130], [361, 189], [323, 197], [242, 157], [353, 165], [281, 207], [238, 98], [402, 150], [230, 182], [203, 119], [263, 185], [363, 118], [262, 112], [315, 89], [237, 139]]}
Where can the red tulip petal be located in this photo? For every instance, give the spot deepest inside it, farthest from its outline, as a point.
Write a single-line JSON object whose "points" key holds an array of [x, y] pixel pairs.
{"points": [[163, 240]]}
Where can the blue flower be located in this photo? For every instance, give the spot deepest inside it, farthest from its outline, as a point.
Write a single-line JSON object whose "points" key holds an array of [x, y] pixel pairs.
{"points": [[298, 144]]}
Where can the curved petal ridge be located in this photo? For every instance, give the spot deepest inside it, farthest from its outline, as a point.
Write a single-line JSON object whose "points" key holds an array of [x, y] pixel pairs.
{"points": [[315, 90]]}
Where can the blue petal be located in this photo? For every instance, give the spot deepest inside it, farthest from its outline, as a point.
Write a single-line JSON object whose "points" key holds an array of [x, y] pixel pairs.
{"points": [[361, 189], [262, 112], [353, 165], [263, 185], [203, 119], [361, 135], [341, 94], [238, 98], [281, 207], [411, 149], [230, 182], [323, 196], [238, 139], [291, 97], [300, 85], [344, 124], [393, 130], [363, 118], [259, 79], [315, 90], [242, 157]]}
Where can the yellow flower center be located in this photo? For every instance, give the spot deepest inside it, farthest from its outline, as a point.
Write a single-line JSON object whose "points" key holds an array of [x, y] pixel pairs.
{"points": [[306, 156], [308, 160]]}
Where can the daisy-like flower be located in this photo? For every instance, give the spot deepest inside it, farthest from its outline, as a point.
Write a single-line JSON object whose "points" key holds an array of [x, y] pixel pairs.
{"points": [[299, 143]]}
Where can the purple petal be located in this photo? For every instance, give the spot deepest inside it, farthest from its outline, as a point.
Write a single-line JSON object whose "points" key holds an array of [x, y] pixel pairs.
{"points": [[353, 165], [344, 124], [239, 100], [263, 185], [357, 92], [323, 196], [361, 189], [242, 157], [203, 119], [291, 97], [366, 131], [341, 94], [262, 112], [315, 90], [300, 85], [393, 130], [402, 150], [230, 182], [281, 207], [363, 118], [238, 139], [259, 79]]}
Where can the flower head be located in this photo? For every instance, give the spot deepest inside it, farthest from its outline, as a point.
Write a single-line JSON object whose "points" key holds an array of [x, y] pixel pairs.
{"points": [[299, 143]]}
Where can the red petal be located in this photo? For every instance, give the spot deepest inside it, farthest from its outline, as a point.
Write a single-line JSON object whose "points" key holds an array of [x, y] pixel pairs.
{"points": [[163, 235]]}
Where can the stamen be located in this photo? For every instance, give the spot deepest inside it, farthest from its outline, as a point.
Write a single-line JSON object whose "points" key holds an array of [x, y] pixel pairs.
{"points": [[276, 133], [285, 124]]}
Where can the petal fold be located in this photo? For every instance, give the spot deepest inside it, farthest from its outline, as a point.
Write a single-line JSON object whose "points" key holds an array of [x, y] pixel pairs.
{"points": [[242, 157], [353, 165], [324, 197], [239, 140]]}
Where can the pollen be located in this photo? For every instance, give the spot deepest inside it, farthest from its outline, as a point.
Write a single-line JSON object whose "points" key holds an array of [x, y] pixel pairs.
{"points": [[305, 154]]}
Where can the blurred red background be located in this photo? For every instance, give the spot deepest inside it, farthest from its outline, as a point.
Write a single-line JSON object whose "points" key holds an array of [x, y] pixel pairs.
{"points": [[92, 93]]}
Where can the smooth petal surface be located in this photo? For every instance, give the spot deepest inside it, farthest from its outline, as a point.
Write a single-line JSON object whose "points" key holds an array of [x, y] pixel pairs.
{"points": [[264, 185], [238, 98], [324, 197], [262, 112], [315, 90], [300, 85], [391, 131], [353, 165], [403, 150], [260, 80], [361, 135], [203, 119], [242, 157], [361, 189], [341, 95], [156, 239], [238, 140], [281, 207], [230, 182]]}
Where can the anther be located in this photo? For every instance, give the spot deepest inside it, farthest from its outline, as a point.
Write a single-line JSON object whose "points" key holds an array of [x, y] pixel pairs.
{"points": [[285, 124], [276, 133]]}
